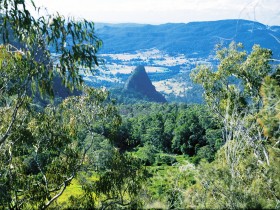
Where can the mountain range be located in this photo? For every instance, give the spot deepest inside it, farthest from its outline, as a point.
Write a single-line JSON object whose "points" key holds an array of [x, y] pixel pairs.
{"points": [[195, 39], [171, 51]]}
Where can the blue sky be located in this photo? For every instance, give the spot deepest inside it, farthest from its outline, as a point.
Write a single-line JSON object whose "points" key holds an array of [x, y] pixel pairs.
{"points": [[164, 11]]}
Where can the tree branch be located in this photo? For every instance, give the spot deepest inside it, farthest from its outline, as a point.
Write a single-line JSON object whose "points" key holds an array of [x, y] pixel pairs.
{"points": [[64, 185], [14, 115]]}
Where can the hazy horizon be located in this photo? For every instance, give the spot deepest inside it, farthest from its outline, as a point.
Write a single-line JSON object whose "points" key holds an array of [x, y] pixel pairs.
{"points": [[135, 23], [166, 11]]}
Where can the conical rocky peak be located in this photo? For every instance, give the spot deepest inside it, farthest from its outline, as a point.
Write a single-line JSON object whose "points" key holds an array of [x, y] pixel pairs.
{"points": [[140, 82]]}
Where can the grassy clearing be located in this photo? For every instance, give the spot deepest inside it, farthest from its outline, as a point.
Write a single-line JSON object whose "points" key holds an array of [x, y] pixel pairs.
{"points": [[74, 189], [164, 178]]}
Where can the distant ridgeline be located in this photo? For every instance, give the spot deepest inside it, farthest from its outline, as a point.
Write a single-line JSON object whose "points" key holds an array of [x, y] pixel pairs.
{"points": [[138, 87], [194, 39]]}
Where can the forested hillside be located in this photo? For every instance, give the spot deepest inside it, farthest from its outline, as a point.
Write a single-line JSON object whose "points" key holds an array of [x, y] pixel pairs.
{"points": [[90, 151], [191, 39]]}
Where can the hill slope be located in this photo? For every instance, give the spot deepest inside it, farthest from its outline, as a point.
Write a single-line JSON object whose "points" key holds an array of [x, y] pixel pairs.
{"points": [[196, 38]]}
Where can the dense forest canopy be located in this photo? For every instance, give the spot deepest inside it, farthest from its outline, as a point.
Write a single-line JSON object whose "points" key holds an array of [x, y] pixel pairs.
{"points": [[88, 151]]}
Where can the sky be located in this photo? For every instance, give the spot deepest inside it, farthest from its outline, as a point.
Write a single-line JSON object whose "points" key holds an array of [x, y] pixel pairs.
{"points": [[166, 11]]}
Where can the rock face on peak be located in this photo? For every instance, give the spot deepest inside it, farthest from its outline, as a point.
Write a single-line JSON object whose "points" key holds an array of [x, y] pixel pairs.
{"points": [[139, 82]]}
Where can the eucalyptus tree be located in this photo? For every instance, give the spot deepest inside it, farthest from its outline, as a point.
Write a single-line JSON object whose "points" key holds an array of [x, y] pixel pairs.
{"points": [[244, 93], [43, 148], [236, 82], [233, 92], [26, 62]]}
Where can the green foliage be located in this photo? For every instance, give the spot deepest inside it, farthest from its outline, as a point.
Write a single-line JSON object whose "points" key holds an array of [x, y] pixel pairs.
{"points": [[164, 159], [124, 96], [174, 199], [122, 183], [48, 149], [269, 116], [25, 62], [100, 154], [147, 154], [237, 81], [75, 41], [204, 152], [245, 98], [170, 128], [246, 184], [42, 149], [117, 187], [169, 182]]}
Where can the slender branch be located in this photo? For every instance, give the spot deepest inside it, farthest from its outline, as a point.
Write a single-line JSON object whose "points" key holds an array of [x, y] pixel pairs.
{"points": [[14, 115], [39, 167], [64, 185]]}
